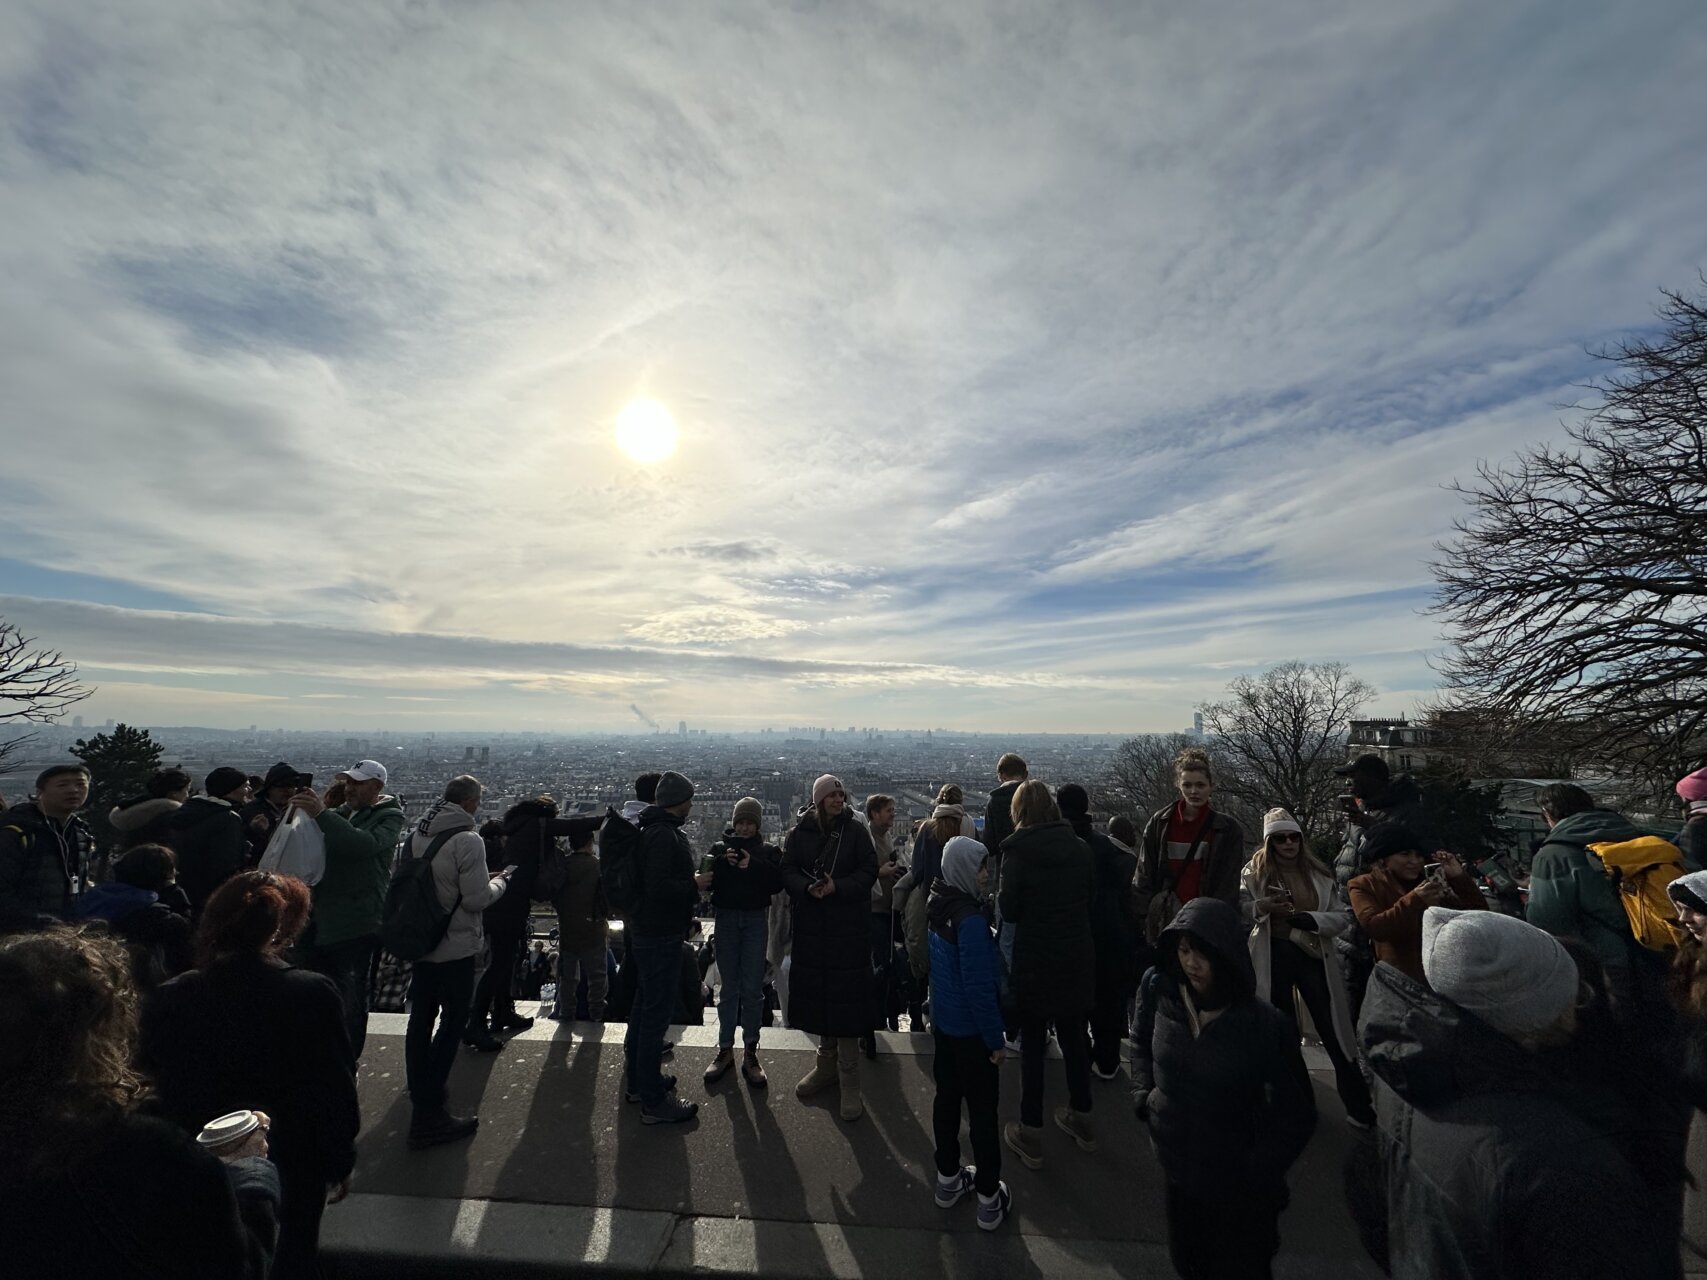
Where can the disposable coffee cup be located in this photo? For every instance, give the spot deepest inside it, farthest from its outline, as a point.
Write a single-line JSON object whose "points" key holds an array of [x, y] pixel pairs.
{"points": [[226, 1134]]}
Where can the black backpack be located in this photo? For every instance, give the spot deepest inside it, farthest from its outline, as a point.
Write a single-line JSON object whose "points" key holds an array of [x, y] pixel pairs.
{"points": [[619, 863], [414, 922]]}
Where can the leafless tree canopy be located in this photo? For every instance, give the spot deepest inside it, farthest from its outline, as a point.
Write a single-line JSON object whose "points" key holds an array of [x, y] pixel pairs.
{"points": [[36, 686], [1142, 774], [1575, 588], [1277, 737]]}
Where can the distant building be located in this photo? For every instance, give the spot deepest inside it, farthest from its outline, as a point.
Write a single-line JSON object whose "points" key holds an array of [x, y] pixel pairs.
{"points": [[682, 728], [1403, 745], [485, 755], [76, 722], [468, 753]]}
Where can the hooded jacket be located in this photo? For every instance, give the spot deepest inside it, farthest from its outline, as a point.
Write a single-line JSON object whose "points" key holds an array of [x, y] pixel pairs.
{"points": [[1230, 1107], [143, 820], [39, 860], [744, 889], [350, 897], [965, 970], [460, 879], [207, 839], [1491, 1174], [1570, 894], [1047, 887], [831, 992]]}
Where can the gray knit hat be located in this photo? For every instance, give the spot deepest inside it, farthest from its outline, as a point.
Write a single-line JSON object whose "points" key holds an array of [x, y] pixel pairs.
{"points": [[1507, 972], [673, 789], [748, 810]]}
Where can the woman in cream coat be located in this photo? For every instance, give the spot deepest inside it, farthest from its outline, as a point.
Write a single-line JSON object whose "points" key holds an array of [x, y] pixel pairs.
{"points": [[1294, 910]]}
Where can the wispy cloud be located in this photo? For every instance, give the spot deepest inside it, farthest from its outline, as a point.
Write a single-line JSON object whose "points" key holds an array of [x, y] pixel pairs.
{"points": [[1035, 367]]}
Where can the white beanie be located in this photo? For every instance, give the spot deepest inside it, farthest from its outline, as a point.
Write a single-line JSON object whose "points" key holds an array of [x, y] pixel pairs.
{"points": [[1689, 891], [1511, 975], [1278, 820]]}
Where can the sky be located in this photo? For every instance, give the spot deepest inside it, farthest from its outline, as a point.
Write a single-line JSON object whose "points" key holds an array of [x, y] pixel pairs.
{"points": [[1037, 368]]}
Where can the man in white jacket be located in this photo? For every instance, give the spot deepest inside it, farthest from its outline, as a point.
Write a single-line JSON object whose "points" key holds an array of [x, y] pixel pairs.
{"points": [[442, 987]]}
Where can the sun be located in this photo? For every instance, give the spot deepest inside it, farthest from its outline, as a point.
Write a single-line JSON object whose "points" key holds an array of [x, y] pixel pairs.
{"points": [[646, 432]]}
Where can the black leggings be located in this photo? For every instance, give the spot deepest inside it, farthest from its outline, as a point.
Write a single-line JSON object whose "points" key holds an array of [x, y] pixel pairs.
{"points": [[1292, 968]]}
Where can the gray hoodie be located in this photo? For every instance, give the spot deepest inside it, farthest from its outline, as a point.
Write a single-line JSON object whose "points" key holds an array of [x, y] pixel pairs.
{"points": [[459, 867]]}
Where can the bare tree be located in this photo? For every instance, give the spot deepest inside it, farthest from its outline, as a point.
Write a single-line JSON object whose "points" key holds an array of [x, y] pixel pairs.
{"points": [[1277, 737], [1574, 591], [1142, 774], [37, 686]]}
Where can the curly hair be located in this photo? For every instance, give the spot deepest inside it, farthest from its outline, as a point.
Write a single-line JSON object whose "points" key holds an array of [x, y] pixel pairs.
{"points": [[68, 1011], [1688, 980], [253, 913], [1193, 760]]}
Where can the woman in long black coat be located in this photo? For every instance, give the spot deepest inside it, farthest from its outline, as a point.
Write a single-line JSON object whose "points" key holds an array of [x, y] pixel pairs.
{"points": [[1048, 886], [246, 1030], [829, 866]]}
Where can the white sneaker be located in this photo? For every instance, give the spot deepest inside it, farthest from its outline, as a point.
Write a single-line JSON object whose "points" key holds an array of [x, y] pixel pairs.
{"points": [[948, 1193], [994, 1211]]}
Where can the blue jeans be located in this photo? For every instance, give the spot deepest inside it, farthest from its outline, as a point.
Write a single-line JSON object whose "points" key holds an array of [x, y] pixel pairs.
{"points": [[657, 965], [740, 940]]}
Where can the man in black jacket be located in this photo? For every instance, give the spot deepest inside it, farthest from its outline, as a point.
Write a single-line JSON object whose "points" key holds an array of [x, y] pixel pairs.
{"points": [[207, 835], [668, 891], [45, 850], [1380, 797], [262, 815]]}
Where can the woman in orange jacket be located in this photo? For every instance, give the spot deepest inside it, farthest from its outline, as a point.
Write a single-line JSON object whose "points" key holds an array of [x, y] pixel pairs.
{"points": [[1389, 899]]}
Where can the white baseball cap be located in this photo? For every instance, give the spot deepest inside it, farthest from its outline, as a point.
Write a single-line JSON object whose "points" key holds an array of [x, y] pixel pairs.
{"points": [[365, 771]]}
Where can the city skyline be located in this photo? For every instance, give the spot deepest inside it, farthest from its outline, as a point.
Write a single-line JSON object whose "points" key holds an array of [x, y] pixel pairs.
{"points": [[1023, 370]]}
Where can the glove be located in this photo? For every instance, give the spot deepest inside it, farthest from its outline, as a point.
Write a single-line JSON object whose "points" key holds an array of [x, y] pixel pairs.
{"points": [[1302, 920]]}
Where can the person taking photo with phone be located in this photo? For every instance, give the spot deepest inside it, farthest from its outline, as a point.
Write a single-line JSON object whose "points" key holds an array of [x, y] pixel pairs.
{"points": [[1390, 897]]}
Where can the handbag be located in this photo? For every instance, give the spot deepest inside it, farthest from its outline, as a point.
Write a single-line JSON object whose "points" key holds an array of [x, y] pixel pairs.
{"points": [[1166, 904]]}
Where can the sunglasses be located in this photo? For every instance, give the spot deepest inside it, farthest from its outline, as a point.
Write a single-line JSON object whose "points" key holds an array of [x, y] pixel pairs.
{"points": [[1287, 837]]}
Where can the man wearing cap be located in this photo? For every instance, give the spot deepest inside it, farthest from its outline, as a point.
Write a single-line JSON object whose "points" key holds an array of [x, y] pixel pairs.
{"points": [[1492, 1167], [262, 815], [1378, 797], [361, 825], [45, 850], [668, 891], [206, 835]]}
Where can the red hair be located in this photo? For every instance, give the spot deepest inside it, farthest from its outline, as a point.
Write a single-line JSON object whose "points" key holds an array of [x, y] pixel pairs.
{"points": [[253, 913]]}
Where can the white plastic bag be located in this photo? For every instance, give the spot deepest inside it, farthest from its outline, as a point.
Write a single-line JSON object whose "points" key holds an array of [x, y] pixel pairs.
{"points": [[296, 849]]}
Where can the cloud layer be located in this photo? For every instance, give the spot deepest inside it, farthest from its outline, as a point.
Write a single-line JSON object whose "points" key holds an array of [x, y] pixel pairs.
{"points": [[1035, 369]]}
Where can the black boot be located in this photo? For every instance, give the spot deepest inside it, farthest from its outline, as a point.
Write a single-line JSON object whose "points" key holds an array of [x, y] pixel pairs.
{"points": [[434, 1126]]}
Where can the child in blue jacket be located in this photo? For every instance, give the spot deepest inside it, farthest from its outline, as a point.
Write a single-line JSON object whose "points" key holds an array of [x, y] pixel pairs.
{"points": [[966, 1018]]}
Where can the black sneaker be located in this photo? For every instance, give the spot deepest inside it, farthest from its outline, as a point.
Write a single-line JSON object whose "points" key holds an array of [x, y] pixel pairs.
{"points": [[672, 1110], [515, 1022], [483, 1042], [631, 1094]]}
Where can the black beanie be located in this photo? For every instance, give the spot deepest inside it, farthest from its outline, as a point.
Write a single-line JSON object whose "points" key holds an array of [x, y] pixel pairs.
{"points": [[281, 775], [1388, 838], [1073, 800], [223, 781]]}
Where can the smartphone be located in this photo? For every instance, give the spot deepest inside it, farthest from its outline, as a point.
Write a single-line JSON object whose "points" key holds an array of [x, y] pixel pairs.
{"points": [[304, 781], [510, 870], [1348, 804], [1435, 871]]}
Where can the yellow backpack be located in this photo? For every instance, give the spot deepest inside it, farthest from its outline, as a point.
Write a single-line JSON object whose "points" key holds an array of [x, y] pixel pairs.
{"points": [[1640, 870]]}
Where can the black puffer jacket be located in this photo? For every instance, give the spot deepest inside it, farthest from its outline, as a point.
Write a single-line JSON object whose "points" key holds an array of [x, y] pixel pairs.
{"points": [[1492, 1174], [1401, 803], [528, 828], [208, 842], [1048, 885], [667, 890], [1114, 915], [744, 889], [1229, 1109], [830, 988]]}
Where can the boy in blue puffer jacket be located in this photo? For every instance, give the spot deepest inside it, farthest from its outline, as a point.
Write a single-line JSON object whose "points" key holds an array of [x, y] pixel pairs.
{"points": [[966, 1019]]}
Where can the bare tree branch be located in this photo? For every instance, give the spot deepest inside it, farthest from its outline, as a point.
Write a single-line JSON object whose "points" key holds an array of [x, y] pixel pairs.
{"points": [[37, 686]]}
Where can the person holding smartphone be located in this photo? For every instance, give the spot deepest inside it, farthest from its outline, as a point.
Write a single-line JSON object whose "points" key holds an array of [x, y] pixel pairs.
{"points": [[745, 872], [1389, 898]]}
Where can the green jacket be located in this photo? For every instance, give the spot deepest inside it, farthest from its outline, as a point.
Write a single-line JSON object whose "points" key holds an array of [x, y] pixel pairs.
{"points": [[359, 848], [1570, 894]]}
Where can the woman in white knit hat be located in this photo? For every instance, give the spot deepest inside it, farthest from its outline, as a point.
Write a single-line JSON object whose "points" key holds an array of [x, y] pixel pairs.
{"points": [[1294, 909]]}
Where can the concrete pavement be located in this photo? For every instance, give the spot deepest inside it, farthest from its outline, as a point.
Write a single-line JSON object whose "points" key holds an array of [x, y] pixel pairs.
{"points": [[563, 1179]]}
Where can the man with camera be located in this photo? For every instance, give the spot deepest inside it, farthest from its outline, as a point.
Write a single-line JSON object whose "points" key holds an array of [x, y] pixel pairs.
{"points": [[1373, 796], [361, 825], [262, 815]]}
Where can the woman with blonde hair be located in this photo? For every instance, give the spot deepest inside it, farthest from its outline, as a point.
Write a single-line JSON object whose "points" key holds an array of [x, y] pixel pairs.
{"points": [[1047, 887], [1188, 850], [1293, 909]]}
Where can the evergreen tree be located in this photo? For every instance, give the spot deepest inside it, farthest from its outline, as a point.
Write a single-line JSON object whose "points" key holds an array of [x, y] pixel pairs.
{"points": [[119, 764]]}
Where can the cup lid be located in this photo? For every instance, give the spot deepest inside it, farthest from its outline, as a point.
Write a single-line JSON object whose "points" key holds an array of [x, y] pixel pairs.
{"points": [[228, 1128]]}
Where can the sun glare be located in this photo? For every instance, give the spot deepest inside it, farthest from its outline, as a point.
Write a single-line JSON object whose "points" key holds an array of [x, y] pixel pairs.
{"points": [[646, 432]]}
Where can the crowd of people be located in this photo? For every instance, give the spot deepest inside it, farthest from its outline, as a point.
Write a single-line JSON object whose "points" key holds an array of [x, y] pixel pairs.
{"points": [[1524, 1081]]}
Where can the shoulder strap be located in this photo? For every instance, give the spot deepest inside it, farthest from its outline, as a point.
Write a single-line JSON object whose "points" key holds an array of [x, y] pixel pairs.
{"points": [[438, 842]]}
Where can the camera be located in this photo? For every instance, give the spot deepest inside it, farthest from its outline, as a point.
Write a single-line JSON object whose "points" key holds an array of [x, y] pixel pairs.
{"points": [[303, 781], [1347, 804]]}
